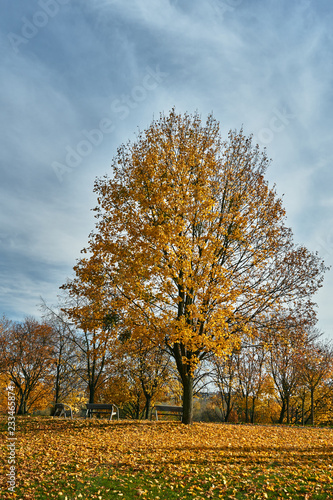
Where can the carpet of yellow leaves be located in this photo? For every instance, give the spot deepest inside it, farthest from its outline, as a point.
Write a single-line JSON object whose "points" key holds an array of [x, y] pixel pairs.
{"points": [[205, 460]]}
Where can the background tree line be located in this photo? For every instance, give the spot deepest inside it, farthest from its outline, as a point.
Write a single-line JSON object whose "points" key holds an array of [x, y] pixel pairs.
{"points": [[288, 381]]}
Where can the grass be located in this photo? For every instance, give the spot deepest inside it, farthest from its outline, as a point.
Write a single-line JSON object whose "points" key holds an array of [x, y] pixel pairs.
{"points": [[97, 459]]}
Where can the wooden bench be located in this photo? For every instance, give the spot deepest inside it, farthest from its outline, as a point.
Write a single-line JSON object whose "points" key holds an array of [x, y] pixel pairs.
{"points": [[61, 409], [168, 410], [102, 408]]}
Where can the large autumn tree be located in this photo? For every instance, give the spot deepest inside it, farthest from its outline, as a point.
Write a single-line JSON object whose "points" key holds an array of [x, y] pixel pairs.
{"points": [[190, 245]]}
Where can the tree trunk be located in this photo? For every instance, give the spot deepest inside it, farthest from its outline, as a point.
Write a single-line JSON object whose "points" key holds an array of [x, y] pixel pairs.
{"points": [[303, 403], [253, 409], [187, 400], [246, 408], [22, 409], [147, 406], [178, 352], [148, 396], [91, 392], [312, 406], [228, 407], [283, 409], [57, 385], [137, 409]]}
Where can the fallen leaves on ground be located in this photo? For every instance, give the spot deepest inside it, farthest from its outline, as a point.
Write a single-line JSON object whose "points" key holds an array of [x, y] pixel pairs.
{"points": [[198, 461]]}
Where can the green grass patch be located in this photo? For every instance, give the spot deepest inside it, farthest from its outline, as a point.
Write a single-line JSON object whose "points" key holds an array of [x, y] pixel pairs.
{"points": [[187, 483]]}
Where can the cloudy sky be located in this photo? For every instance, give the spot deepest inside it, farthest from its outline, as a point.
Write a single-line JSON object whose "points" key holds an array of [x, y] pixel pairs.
{"points": [[78, 78]]}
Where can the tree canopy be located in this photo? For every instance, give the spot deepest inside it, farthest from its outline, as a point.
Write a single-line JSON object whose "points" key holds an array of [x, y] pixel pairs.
{"points": [[191, 248]]}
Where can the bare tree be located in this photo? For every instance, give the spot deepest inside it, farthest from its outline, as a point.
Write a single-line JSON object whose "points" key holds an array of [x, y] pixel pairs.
{"points": [[225, 378], [316, 365], [250, 371], [66, 354]]}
